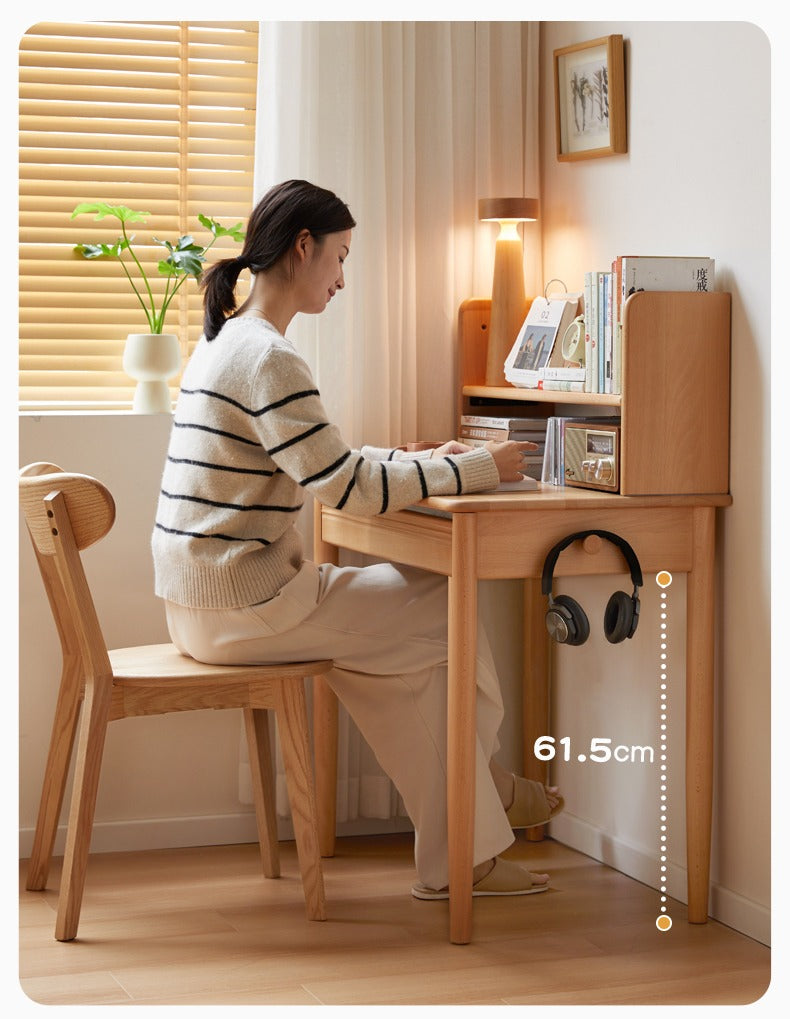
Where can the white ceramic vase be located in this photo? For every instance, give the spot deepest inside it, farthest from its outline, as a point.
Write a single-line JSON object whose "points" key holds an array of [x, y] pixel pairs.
{"points": [[151, 359]]}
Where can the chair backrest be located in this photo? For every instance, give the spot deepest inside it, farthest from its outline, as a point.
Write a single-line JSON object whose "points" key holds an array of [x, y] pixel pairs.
{"points": [[66, 513]]}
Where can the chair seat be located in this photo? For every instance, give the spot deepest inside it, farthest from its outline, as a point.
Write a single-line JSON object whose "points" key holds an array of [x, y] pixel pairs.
{"points": [[154, 663]]}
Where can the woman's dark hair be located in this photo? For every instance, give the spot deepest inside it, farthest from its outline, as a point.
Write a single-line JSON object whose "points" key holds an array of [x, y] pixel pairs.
{"points": [[275, 223]]}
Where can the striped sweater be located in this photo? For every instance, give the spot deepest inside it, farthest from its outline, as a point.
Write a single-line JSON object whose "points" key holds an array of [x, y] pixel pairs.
{"points": [[250, 436]]}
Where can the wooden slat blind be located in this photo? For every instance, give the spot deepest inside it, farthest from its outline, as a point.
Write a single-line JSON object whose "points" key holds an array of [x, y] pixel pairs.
{"points": [[155, 116]]}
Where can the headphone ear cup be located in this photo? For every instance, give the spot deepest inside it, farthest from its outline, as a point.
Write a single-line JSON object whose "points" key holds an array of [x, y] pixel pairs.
{"points": [[568, 611], [619, 619]]}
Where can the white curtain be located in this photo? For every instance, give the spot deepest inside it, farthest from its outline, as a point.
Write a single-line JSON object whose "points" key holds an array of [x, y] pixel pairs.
{"points": [[410, 123]]}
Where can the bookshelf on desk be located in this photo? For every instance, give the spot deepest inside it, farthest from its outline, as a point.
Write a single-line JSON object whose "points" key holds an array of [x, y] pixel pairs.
{"points": [[675, 402]]}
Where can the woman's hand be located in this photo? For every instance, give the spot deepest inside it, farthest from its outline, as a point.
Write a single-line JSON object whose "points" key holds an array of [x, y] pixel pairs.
{"points": [[449, 448], [509, 458]]}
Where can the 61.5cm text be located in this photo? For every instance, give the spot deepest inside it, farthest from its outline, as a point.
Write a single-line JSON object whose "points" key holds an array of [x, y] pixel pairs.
{"points": [[600, 751]]}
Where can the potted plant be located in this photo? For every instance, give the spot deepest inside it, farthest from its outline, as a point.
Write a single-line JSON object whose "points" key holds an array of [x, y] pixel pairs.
{"points": [[152, 357]]}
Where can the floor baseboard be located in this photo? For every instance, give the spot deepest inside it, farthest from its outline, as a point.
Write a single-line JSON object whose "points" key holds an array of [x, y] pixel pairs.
{"points": [[728, 907]]}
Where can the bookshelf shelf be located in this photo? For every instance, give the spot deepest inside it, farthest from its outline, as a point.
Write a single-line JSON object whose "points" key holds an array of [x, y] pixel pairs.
{"points": [[538, 396], [675, 402]]}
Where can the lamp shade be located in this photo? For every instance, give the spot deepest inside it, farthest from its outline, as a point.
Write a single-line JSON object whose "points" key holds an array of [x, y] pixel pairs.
{"points": [[514, 209], [507, 292]]}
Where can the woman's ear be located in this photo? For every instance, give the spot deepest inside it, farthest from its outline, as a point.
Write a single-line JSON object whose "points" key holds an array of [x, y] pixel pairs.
{"points": [[303, 245]]}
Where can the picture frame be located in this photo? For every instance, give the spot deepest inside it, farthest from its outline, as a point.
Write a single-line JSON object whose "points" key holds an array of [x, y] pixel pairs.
{"points": [[589, 99]]}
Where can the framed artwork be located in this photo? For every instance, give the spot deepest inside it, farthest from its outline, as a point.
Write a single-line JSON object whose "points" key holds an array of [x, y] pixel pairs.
{"points": [[589, 97]]}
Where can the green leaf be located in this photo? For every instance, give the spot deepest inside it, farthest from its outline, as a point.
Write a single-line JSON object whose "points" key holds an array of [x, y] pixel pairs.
{"points": [[167, 268], [103, 250], [218, 230], [185, 243], [188, 263], [102, 209]]}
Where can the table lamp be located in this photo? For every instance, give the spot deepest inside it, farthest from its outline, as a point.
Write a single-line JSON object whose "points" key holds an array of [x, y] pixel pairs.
{"points": [[507, 292]]}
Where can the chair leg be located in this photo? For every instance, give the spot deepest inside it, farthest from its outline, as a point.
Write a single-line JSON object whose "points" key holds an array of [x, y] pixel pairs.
{"points": [[61, 745], [90, 747], [256, 722], [292, 720], [325, 744]]}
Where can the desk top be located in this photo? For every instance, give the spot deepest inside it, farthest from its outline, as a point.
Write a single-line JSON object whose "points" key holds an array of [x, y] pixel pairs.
{"points": [[561, 497]]}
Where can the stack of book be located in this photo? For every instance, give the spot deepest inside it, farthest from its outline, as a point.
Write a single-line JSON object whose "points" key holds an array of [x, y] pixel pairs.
{"points": [[605, 294], [477, 430]]}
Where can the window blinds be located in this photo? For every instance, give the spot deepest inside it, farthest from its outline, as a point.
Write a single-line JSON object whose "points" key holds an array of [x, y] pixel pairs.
{"points": [[159, 117]]}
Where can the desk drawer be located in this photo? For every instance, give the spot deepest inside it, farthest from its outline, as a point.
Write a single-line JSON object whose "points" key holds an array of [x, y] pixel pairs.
{"points": [[516, 544]]}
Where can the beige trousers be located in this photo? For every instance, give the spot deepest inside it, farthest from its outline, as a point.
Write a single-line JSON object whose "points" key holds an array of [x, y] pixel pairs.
{"points": [[385, 626]]}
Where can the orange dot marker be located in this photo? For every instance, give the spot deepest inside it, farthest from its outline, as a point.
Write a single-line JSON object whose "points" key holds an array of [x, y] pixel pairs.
{"points": [[663, 923], [664, 579]]}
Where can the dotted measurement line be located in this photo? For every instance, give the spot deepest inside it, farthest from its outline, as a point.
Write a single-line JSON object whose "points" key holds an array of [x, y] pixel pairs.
{"points": [[663, 920]]}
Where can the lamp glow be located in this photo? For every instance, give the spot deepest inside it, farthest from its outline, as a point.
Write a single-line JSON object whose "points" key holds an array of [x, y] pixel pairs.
{"points": [[508, 297]]}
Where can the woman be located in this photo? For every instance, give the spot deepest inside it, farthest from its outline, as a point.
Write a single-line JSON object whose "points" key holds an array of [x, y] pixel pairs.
{"points": [[250, 437]]}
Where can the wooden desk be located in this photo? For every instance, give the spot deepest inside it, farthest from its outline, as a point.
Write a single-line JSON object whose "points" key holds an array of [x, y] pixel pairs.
{"points": [[495, 536]]}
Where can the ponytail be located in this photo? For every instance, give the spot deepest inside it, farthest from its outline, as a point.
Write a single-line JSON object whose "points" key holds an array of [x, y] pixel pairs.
{"points": [[218, 283]]}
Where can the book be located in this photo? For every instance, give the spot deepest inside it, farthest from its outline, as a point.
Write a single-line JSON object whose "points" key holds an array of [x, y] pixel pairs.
{"points": [[563, 374], [600, 330], [593, 285], [617, 329], [589, 357], [546, 321], [526, 484], [521, 424], [607, 333], [665, 272], [501, 434], [563, 385]]}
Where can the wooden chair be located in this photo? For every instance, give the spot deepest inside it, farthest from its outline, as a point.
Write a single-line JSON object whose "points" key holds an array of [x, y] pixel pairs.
{"points": [[66, 513]]}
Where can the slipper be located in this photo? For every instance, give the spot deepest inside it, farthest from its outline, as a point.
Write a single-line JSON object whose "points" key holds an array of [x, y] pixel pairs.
{"points": [[504, 878], [530, 807]]}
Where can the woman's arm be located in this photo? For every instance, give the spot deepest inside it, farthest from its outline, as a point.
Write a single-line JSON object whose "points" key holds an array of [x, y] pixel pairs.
{"points": [[295, 431]]}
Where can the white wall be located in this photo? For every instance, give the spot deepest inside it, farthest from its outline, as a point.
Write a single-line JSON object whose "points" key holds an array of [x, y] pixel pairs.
{"points": [[695, 180]]}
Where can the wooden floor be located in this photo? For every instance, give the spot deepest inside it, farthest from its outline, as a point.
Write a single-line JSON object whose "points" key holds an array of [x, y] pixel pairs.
{"points": [[204, 927]]}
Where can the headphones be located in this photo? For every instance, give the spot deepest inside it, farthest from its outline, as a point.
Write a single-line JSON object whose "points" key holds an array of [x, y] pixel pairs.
{"points": [[566, 620]]}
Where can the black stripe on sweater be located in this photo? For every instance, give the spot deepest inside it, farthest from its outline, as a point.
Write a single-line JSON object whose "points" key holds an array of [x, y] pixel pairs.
{"points": [[327, 470], [198, 534], [297, 438], [385, 494], [223, 467], [423, 483], [350, 485], [263, 508], [456, 472], [299, 395], [216, 431]]}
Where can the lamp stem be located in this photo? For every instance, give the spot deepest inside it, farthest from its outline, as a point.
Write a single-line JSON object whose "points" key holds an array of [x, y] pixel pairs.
{"points": [[508, 298]]}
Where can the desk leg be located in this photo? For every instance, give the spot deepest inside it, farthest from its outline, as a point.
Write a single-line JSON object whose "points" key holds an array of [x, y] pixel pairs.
{"points": [[535, 690], [699, 712], [324, 723], [461, 723]]}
